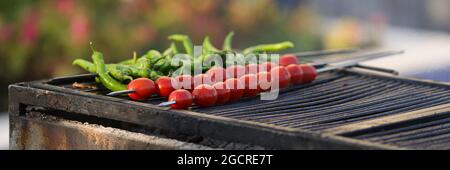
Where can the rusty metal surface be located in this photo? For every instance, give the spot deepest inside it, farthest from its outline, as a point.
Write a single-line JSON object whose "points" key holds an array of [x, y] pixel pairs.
{"points": [[56, 134]]}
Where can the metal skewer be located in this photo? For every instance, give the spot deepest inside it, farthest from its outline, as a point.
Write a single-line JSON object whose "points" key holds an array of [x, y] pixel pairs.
{"points": [[164, 104], [117, 93], [354, 62]]}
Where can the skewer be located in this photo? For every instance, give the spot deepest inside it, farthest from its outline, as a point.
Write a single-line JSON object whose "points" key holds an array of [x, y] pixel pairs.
{"points": [[117, 93], [164, 104], [354, 62]]}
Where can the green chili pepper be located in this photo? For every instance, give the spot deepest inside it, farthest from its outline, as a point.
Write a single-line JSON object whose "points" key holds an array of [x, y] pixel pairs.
{"points": [[187, 43], [107, 81], [154, 75], [119, 72], [154, 56], [130, 61], [268, 47], [227, 42], [86, 65], [208, 48]]}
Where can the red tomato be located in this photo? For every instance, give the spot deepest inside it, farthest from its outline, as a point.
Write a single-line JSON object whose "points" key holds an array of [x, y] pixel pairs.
{"points": [[266, 66], [235, 71], [202, 79], [250, 82], [264, 81], [223, 94], [280, 74], [183, 99], [205, 95], [296, 73], [288, 59], [251, 68], [165, 86], [218, 74], [236, 88], [184, 82], [309, 73], [144, 88]]}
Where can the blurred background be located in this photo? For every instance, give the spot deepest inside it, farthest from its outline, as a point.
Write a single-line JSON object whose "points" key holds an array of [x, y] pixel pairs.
{"points": [[39, 39]]}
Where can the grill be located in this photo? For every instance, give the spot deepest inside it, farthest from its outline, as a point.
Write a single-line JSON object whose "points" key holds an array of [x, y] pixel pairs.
{"points": [[342, 109]]}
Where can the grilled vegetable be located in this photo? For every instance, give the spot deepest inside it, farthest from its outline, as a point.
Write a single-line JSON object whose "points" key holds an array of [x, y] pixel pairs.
{"points": [[107, 81], [182, 99], [143, 89], [204, 95]]}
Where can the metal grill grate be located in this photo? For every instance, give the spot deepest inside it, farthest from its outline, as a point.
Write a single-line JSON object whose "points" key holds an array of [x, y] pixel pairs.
{"points": [[335, 100]]}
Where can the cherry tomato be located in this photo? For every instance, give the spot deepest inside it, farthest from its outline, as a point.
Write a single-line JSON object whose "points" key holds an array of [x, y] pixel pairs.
{"points": [[288, 59], [250, 82], [223, 94], [144, 88], [165, 86], [218, 74], [236, 89], [183, 99], [296, 73], [251, 68], [184, 82], [235, 71], [309, 73], [205, 95], [264, 81], [266, 66], [280, 74], [202, 79]]}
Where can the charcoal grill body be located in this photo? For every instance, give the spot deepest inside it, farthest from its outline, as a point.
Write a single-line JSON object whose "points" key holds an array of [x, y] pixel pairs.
{"points": [[49, 114]]}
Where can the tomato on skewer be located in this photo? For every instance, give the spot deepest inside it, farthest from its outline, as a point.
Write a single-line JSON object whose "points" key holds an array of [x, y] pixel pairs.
{"points": [[280, 74], [143, 88], [218, 74], [296, 73], [264, 81], [164, 86], [182, 99], [235, 71], [236, 89], [204, 95], [288, 59], [184, 82], [223, 94], [266, 66], [252, 68], [309, 73], [250, 82]]}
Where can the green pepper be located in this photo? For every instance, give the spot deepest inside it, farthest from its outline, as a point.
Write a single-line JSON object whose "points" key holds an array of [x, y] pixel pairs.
{"points": [[107, 81], [187, 43], [119, 72], [268, 47], [208, 48], [227, 42], [86, 65], [154, 56]]}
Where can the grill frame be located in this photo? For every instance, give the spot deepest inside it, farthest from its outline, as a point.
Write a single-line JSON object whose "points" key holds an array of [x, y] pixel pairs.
{"points": [[185, 121]]}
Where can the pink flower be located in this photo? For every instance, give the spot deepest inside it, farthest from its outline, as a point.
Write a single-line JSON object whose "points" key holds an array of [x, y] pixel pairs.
{"points": [[30, 30], [79, 29], [65, 7]]}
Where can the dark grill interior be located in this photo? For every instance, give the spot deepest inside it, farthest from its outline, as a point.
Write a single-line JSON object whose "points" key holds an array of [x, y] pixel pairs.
{"points": [[340, 98]]}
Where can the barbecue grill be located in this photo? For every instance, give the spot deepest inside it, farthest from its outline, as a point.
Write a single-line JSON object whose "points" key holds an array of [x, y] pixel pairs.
{"points": [[353, 108]]}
